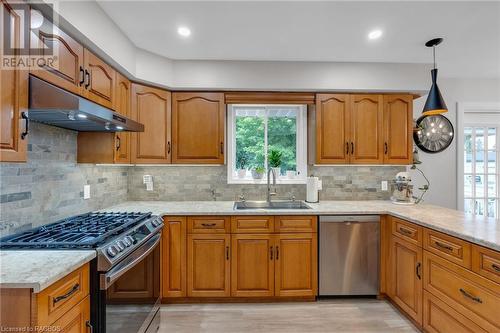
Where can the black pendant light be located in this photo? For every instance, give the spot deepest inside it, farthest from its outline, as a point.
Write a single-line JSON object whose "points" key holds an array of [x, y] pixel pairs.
{"points": [[435, 103]]}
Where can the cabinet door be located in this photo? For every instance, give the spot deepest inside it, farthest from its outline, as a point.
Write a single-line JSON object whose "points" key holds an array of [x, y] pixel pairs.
{"points": [[366, 134], [398, 129], [67, 72], [122, 106], [100, 80], [13, 98], [174, 257], [332, 129], [296, 265], [252, 265], [76, 320], [208, 265], [151, 107], [406, 277], [198, 128]]}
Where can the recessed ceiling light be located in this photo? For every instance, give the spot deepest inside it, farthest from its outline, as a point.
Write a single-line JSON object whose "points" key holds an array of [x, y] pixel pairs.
{"points": [[184, 31], [375, 34]]}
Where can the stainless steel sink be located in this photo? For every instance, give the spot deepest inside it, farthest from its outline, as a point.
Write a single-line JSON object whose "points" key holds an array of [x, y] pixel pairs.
{"points": [[238, 205]]}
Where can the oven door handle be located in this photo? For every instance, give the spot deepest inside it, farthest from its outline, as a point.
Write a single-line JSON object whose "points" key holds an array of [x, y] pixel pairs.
{"points": [[139, 254]]}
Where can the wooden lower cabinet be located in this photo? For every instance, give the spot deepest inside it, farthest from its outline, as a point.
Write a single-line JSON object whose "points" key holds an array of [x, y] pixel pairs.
{"points": [[76, 320], [440, 317], [64, 306], [405, 269], [208, 265], [252, 265], [296, 258], [174, 257]]}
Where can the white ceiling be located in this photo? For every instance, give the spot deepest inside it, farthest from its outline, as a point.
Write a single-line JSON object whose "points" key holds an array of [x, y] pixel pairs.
{"points": [[318, 31]]}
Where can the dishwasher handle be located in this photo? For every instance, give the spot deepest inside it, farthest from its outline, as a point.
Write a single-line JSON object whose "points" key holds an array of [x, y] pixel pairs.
{"points": [[349, 219]]}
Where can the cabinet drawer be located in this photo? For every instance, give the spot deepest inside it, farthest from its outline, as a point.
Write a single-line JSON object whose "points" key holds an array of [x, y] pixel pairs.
{"points": [[77, 319], [462, 289], [406, 230], [295, 223], [58, 298], [486, 262], [439, 317], [252, 224], [208, 224], [448, 247]]}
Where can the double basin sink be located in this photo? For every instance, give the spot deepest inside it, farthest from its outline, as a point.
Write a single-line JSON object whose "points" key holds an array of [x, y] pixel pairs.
{"points": [[242, 205]]}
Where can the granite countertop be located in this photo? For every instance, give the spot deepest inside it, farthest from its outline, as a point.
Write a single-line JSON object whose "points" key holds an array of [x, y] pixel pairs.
{"points": [[478, 230], [38, 269]]}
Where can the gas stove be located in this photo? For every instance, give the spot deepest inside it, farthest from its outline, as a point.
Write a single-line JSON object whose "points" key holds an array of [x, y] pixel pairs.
{"points": [[112, 235], [127, 261]]}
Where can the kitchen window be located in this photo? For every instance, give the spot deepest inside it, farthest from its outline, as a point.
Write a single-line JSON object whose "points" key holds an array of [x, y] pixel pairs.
{"points": [[259, 135], [480, 172]]}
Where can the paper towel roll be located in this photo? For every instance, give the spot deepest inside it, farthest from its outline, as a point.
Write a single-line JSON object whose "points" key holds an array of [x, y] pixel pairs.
{"points": [[313, 186]]}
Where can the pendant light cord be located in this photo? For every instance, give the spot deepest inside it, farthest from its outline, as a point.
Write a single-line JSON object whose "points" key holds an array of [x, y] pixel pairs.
{"points": [[434, 55]]}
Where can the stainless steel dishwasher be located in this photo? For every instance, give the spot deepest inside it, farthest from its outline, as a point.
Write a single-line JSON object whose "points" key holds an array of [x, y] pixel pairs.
{"points": [[349, 255]]}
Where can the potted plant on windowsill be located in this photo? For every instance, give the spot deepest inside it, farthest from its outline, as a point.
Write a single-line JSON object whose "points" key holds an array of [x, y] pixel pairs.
{"points": [[241, 165], [275, 161], [258, 172]]}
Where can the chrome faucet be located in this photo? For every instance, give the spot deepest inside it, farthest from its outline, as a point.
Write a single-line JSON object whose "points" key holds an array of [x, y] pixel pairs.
{"points": [[269, 193]]}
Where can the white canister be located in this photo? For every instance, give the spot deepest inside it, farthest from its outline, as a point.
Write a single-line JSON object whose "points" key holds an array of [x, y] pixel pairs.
{"points": [[313, 186]]}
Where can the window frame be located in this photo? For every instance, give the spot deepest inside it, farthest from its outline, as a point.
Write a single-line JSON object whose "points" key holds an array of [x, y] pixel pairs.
{"points": [[301, 147], [476, 115]]}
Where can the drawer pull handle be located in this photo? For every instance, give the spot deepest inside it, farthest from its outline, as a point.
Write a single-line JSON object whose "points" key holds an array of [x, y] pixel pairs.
{"points": [[473, 298], [271, 252], [405, 231], [209, 224], [227, 252], [495, 267], [443, 246], [417, 271], [277, 252], [73, 290]]}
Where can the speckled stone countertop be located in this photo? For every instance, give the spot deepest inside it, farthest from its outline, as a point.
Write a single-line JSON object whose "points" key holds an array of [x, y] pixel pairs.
{"points": [[38, 269], [478, 230]]}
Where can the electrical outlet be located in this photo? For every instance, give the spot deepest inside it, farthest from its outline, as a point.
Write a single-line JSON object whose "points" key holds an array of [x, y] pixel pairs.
{"points": [[385, 185], [86, 191]]}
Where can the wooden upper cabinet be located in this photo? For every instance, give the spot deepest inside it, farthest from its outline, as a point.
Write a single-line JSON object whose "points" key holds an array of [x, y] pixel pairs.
{"points": [[151, 107], [13, 98], [296, 260], [406, 277], [398, 129], [208, 265], [332, 129], [122, 106], [99, 85], [366, 129], [252, 265], [67, 72], [174, 257], [198, 128]]}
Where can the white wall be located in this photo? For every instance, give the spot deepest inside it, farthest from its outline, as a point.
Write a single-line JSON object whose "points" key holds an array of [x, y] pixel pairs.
{"points": [[441, 168]]}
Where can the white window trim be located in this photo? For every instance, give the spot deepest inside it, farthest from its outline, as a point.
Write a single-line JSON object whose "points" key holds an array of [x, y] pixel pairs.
{"points": [[462, 109], [301, 147]]}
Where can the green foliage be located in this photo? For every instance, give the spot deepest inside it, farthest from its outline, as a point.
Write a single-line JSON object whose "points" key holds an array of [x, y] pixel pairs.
{"points": [[250, 137], [259, 169], [275, 158]]}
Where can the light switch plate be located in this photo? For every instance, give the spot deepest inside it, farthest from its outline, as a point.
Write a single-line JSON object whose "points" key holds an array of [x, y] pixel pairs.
{"points": [[86, 191], [385, 186]]}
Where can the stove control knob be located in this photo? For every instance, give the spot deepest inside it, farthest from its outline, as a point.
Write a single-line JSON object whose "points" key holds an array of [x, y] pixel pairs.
{"points": [[111, 251], [120, 245], [130, 239], [127, 242]]}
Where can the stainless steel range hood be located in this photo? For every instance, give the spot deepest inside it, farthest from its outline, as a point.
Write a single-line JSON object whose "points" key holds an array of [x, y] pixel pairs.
{"points": [[51, 105]]}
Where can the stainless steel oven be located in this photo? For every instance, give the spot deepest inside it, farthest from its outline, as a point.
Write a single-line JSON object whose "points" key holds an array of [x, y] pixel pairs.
{"points": [[129, 296]]}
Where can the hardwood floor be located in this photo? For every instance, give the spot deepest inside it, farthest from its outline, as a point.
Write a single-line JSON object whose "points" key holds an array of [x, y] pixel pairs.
{"points": [[353, 315]]}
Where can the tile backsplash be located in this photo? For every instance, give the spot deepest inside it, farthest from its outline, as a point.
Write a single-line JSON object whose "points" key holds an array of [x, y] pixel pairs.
{"points": [[184, 183], [49, 186]]}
